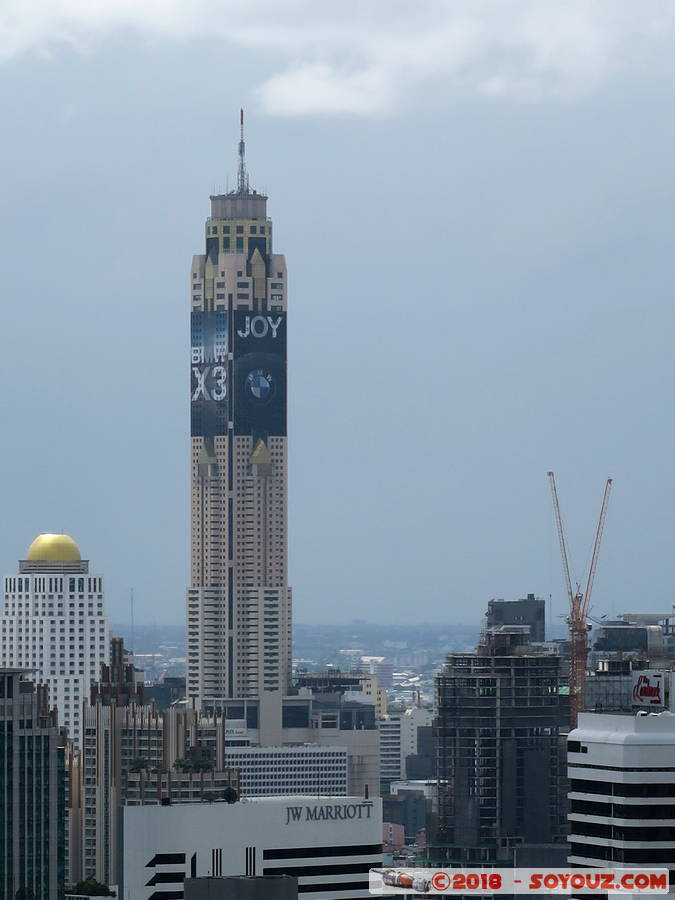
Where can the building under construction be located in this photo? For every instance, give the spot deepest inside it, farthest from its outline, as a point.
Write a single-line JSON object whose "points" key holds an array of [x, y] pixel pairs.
{"points": [[500, 755]]}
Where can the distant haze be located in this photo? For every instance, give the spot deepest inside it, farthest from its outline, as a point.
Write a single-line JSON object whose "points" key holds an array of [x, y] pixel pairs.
{"points": [[476, 203]]}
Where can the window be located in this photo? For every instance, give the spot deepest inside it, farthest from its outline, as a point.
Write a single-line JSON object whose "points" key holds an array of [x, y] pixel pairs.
{"points": [[252, 229], [242, 284], [240, 243], [240, 229], [226, 243], [226, 229]]}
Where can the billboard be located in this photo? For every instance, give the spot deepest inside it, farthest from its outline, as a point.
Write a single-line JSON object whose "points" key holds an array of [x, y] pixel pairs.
{"points": [[209, 393], [649, 688], [259, 389]]}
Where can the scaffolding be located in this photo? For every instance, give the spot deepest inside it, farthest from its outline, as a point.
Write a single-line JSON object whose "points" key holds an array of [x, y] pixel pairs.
{"points": [[499, 752]]}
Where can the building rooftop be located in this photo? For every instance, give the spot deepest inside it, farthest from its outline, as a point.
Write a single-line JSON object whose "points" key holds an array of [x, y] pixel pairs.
{"points": [[625, 729]]}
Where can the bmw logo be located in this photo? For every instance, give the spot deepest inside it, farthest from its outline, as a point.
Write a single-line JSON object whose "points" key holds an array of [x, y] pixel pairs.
{"points": [[260, 385]]}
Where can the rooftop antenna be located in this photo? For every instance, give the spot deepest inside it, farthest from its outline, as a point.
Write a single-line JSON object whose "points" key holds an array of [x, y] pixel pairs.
{"points": [[242, 175], [133, 636]]}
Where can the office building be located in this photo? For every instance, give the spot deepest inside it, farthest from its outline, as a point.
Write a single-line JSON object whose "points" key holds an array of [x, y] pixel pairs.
{"points": [[72, 863], [529, 611], [315, 769], [399, 741], [379, 666], [622, 790], [239, 601], [353, 685], [313, 725], [116, 738], [328, 844], [647, 635], [54, 624], [134, 754], [500, 759], [170, 691], [144, 785], [411, 805], [32, 791], [420, 766], [617, 683]]}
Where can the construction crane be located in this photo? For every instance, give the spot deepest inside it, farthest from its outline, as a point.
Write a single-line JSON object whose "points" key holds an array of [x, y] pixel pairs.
{"points": [[579, 603]]}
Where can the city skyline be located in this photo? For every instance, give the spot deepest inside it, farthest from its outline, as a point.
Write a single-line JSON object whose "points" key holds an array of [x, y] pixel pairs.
{"points": [[480, 275]]}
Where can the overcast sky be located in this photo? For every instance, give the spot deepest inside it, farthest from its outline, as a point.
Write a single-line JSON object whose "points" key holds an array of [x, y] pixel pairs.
{"points": [[475, 199]]}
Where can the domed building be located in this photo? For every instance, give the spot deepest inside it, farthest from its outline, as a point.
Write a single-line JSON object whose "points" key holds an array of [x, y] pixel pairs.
{"points": [[54, 623], [50, 548]]}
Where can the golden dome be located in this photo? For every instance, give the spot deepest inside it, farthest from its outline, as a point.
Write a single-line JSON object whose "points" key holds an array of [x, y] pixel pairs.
{"points": [[53, 548]]}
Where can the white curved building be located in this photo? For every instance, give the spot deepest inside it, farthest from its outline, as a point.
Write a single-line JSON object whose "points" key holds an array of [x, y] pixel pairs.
{"points": [[622, 790]]}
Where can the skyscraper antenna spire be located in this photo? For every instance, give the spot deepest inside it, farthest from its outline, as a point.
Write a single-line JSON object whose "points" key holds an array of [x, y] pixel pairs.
{"points": [[242, 177]]}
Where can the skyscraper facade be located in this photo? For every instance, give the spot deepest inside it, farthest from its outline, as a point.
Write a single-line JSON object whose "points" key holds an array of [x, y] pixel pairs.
{"points": [[32, 792], [54, 624], [239, 602]]}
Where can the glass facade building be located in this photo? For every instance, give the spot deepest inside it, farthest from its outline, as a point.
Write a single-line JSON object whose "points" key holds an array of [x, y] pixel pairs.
{"points": [[32, 793]]}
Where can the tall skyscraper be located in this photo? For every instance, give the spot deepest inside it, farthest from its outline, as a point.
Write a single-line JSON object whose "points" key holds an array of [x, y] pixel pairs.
{"points": [[32, 795], [54, 624], [239, 602]]}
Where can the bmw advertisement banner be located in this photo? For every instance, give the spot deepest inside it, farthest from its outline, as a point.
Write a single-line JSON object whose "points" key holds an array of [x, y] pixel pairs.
{"points": [[259, 373], [208, 373]]}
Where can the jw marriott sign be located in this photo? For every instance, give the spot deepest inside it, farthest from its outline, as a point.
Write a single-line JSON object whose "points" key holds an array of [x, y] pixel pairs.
{"points": [[333, 811]]}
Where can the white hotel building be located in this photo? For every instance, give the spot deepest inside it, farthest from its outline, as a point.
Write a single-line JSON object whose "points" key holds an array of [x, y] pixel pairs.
{"points": [[622, 790], [54, 624], [328, 843]]}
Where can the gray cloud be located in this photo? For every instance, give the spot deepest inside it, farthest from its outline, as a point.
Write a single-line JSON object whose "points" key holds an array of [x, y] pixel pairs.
{"points": [[366, 58]]}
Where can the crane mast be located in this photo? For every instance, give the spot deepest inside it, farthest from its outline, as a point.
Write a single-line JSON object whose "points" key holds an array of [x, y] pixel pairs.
{"points": [[579, 602]]}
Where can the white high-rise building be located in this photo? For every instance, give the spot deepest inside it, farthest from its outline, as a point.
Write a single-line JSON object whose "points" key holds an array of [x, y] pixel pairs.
{"points": [[398, 741], [621, 772], [54, 624]]}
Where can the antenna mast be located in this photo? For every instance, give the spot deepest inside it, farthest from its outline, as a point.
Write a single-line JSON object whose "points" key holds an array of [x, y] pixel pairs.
{"points": [[133, 634], [242, 175]]}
